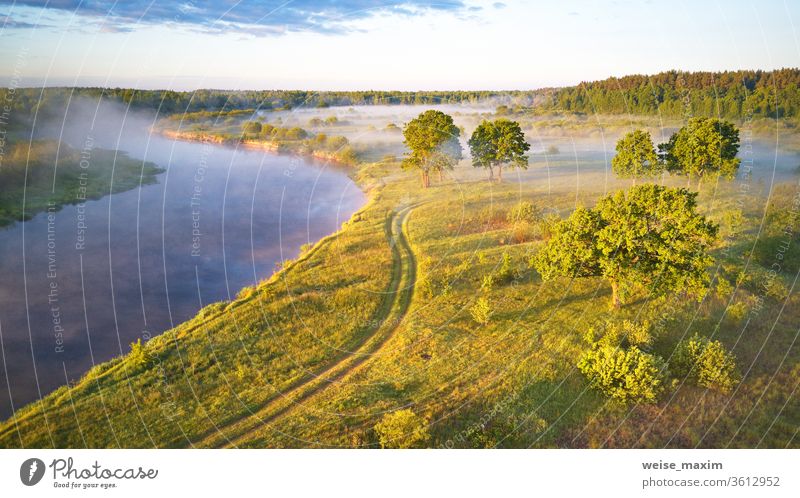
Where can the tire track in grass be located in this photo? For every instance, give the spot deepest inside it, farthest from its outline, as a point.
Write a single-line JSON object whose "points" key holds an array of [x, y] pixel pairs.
{"points": [[386, 318]]}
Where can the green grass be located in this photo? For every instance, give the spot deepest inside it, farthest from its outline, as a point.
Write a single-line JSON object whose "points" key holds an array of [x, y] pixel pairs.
{"points": [[316, 355], [40, 175]]}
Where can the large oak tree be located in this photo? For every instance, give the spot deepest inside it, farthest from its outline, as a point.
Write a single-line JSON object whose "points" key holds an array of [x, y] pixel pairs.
{"points": [[650, 235], [705, 147], [432, 139], [497, 143], [636, 156]]}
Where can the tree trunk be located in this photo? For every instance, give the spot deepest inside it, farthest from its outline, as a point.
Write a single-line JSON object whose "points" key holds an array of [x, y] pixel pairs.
{"points": [[615, 303], [499, 173], [425, 179], [491, 174], [440, 176]]}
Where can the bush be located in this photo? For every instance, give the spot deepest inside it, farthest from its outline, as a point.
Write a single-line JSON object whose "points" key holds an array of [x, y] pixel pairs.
{"points": [[402, 429], [621, 334], [507, 272], [625, 375], [724, 289], [251, 127], [524, 211], [523, 232], [706, 363], [481, 311], [296, 133], [737, 311], [347, 155], [138, 356]]}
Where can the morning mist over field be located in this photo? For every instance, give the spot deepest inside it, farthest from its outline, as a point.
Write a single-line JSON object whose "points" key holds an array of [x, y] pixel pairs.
{"points": [[391, 225]]}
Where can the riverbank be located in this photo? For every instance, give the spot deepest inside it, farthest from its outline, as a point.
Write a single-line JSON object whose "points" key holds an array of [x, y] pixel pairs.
{"points": [[45, 175], [299, 148]]}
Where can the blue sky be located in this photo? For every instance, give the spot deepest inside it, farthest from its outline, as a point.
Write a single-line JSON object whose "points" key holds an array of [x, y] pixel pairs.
{"points": [[361, 44]]}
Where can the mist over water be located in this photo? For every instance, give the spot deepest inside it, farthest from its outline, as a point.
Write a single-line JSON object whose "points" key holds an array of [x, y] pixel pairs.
{"points": [[219, 219]]}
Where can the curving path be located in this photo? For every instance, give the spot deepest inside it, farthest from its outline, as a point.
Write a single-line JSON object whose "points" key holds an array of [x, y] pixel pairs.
{"points": [[387, 318]]}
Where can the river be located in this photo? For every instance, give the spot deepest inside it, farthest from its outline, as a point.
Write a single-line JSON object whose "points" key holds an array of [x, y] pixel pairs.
{"points": [[80, 284]]}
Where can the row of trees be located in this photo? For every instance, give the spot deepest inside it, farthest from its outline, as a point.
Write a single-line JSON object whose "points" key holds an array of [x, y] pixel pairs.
{"points": [[729, 94], [434, 144], [705, 147], [55, 99]]}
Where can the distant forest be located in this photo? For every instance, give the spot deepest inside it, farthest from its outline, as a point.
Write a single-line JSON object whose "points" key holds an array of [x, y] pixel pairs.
{"points": [[170, 102], [730, 94]]}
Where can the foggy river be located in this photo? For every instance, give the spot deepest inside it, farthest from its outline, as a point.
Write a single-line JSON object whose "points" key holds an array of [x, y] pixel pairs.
{"points": [[80, 284]]}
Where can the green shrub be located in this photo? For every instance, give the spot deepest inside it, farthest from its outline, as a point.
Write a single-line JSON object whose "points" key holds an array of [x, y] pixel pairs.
{"points": [[724, 289], [737, 311], [706, 363], [506, 272], [625, 375], [402, 429], [522, 232], [347, 155], [251, 127], [621, 334], [138, 356], [488, 283], [524, 211], [481, 311], [776, 288]]}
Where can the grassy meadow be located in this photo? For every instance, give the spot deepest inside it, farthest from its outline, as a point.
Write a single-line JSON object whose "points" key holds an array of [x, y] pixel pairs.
{"points": [[379, 317], [44, 174]]}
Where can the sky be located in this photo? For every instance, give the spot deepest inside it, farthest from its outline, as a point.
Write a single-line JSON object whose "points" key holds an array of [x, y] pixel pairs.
{"points": [[385, 45]]}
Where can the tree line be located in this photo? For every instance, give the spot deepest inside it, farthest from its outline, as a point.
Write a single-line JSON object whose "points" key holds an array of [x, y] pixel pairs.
{"points": [[54, 99], [728, 94], [676, 94], [434, 144]]}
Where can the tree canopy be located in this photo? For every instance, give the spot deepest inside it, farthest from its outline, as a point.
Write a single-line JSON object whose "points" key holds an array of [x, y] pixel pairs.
{"points": [[499, 142], [432, 139], [636, 156], [251, 127], [650, 235], [705, 147]]}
